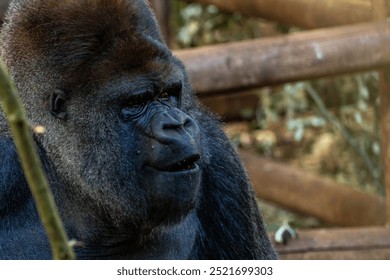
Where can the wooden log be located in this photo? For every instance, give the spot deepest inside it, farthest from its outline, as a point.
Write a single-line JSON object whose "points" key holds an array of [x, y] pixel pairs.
{"points": [[303, 13], [380, 11], [338, 243], [294, 57], [299, 191]]}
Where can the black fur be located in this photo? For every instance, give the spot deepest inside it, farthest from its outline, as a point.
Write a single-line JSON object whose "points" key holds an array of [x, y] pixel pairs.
{"points": [[138, 168]]}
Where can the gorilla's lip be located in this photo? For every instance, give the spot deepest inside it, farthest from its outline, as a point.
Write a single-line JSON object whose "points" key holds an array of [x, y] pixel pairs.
{"points": [[185, 165]]}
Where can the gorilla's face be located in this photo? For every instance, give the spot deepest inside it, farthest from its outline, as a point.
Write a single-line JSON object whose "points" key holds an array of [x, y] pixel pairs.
{"points": [[169, 146], [130, 139]]}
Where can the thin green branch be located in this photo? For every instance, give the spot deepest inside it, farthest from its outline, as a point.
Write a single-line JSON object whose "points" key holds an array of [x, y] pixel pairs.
{"points": [[32, 167], [357, 147]]}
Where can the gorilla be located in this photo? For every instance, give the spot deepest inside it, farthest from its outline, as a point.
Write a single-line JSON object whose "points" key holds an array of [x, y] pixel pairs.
{"points": [[138, 168]]}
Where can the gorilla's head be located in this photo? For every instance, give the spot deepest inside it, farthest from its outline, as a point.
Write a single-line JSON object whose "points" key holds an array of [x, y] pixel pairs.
{"points": [[121, 132]]}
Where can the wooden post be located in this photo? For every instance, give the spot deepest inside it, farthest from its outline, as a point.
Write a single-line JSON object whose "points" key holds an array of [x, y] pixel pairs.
{"points": [[3, 8], [380, 12], [161, 9]]}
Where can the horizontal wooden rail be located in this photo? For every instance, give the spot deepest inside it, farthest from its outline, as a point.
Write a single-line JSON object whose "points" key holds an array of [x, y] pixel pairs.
{"points": [[340, 243], [303, 13], [278, 60], [297, 190]]}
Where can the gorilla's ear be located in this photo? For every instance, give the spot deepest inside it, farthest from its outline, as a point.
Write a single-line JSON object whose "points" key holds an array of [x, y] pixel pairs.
{"points": [[57, 104]]}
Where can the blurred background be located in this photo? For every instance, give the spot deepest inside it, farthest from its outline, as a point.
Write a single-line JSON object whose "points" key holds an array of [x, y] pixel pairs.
{"points": [[335, 135]]}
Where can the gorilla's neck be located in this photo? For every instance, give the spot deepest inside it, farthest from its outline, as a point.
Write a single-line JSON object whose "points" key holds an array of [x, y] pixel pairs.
{"points": [[175, 242], [101, 238]]}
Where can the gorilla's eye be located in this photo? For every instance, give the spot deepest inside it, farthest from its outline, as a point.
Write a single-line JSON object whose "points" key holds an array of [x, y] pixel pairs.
{"points": [[137, 100], [134, 105], [164, 96], [171, 95]]}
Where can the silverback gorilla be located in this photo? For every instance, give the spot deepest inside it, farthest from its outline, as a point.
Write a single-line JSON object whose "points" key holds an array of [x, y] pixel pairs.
{"points": [[138, 169]]}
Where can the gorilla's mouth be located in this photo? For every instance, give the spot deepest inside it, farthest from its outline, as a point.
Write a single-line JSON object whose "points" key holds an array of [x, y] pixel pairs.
{"points": [[183, 165]]}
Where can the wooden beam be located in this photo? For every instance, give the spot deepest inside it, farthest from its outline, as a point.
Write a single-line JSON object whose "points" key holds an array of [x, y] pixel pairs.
{"points": [[294, 57], [297, 190], [338, 243], [303, 13], [380, 12]]}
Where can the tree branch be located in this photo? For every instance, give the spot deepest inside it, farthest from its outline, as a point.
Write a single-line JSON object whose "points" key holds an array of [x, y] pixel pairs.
{"points": [[359, 149], [32, 167]]}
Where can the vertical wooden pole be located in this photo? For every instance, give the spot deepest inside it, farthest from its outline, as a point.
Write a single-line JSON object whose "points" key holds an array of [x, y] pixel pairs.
{"points": [[380, 12], [161, 9], [3, 8]]}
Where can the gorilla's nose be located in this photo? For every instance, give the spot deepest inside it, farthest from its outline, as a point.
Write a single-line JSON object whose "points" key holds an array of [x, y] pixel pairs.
{"points": [[173, 126]]}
